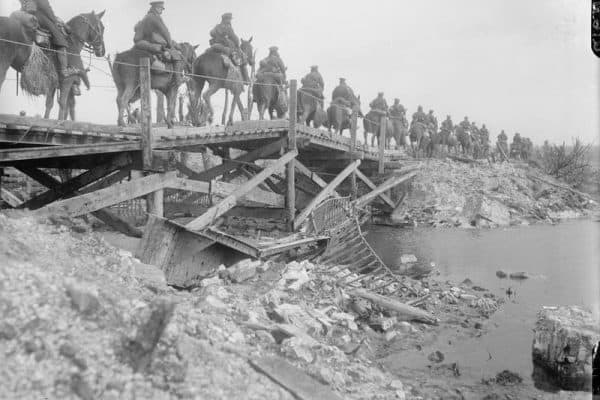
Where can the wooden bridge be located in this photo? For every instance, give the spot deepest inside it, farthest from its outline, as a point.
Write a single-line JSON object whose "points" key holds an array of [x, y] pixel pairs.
{"points": [[304, 167]]}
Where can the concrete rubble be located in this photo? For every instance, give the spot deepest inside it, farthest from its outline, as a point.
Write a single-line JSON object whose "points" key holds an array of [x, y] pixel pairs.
{"points": [[563, 342]]}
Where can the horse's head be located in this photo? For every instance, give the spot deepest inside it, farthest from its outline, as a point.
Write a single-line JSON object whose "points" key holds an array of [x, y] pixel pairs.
{"points": [[89, 29], [357, 107], [248, 51], [189, 55]]}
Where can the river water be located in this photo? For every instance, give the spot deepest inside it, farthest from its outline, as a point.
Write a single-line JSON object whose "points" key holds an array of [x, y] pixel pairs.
{"points": [[563, 260]]}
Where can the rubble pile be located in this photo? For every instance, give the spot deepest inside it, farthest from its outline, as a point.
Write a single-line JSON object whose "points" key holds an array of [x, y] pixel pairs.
{"points": [[81, 319], [454, 194]]}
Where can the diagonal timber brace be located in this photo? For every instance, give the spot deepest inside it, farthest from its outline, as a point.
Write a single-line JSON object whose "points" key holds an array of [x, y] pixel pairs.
{"points": [[229, 202]]}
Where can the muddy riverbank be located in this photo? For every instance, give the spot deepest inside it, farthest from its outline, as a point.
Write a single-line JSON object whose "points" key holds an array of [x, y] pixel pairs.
{"points": [[562, 262]]}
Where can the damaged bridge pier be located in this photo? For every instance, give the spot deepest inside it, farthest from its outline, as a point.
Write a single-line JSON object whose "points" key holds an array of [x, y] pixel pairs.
{"points": [[272, 198]]}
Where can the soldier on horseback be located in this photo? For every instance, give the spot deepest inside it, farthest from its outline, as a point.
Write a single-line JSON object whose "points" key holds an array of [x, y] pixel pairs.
{"points": [[502, 143], [379, 105], [273, 64], [432, 122], [224, 40], [397, 111], [313, 81], [153, 36], [419, 116], [465, 124], [47, 20], [343, 91], [447, 125]]}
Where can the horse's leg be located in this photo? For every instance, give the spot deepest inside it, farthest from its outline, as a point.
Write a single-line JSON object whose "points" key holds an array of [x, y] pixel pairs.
{"points": [[63, 99], [171, 105], [261, 110], [71, 106], [237, 99], [4, 66], [212, 89], [197, 87], [123, 100], [49, 102]]}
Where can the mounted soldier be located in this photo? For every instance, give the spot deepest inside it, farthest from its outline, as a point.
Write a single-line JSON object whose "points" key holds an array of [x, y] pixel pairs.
{"points": [[47, 20], [447, 125], [313, 82], [399, 122], [502, 144], [484, 135], [273, 64], [446, 130], [224, 40], [419, 116], [379, 105], [344, 92], [432, 122], [269, 93], [515, 146], [465, 125], [310, 95], [153, 36]]}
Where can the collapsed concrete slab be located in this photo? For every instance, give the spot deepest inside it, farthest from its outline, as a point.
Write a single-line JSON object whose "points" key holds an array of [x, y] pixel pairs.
{"points": [[563, 341]]}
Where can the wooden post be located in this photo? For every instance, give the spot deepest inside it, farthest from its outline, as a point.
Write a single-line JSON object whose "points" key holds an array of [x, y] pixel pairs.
{"points": [[156, 203], [353, 127], [382, 133], [146, 113], [225, 108], [290, 197]]}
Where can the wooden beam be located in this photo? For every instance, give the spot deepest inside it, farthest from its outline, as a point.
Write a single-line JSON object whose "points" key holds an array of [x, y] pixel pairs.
{"points": [[382, 134], [326, 192], [229, 165], [155, 201], [9, 198], [373, 186], [353, 130], [313, 176], [290, 197], [33, 153], [385, 186], [229, 202], [146, 113], [224, 189], [115, 194], [106, 216], [115, 177], [67, 188], [53, 125]]}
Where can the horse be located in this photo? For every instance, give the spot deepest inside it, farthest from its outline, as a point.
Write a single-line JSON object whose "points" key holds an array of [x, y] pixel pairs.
{"points": [[452, 143], [269, 95], [210, 67], [126, 75], [87, 30], [464, 138], [399, 132], [308, 104], [339, 115], [320, 119], [417, 131], [372, 125]]}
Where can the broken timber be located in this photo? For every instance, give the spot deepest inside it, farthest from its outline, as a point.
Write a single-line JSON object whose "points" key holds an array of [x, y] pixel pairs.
{"points": [[229, 202], [387, 185], [326, 192]]}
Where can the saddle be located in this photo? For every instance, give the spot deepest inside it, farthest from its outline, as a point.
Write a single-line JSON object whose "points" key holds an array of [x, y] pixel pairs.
{"points": [[229, 55]]}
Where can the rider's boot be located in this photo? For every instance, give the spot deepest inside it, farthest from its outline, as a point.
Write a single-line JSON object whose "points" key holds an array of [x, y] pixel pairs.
{"points": [[63, 63]]}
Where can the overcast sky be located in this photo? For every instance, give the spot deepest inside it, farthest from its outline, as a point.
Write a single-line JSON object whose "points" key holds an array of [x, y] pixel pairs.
{"points": [[520, 65]]}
